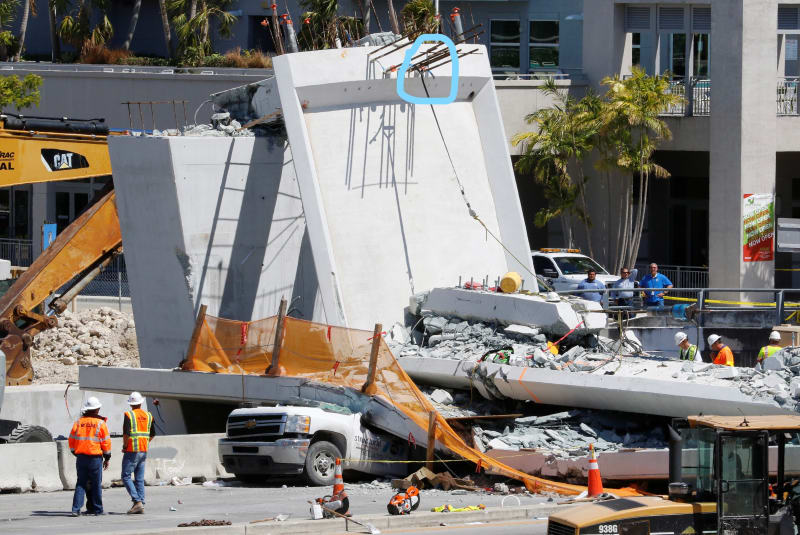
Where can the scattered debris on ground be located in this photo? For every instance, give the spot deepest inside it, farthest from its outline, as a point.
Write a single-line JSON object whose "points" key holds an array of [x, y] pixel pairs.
{"points": [[204, 523], [99, 336]]}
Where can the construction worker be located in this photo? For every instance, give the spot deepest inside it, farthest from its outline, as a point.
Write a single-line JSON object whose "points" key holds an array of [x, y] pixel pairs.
{"points": [[90, 442], [772, 348], [720, 353], [137, 432], [687, 351]]}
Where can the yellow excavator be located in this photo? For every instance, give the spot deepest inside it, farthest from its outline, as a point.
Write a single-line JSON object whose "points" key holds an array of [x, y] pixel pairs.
{"points": [[42, 149], [720, 482]]}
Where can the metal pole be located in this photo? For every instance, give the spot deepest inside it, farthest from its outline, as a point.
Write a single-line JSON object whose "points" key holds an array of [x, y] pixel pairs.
{"points": [[119, 288], [431, 440], [779, 307], [369, 384], [275, 367]]}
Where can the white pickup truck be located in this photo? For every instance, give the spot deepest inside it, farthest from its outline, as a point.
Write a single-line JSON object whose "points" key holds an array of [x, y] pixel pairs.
{"points": [[294, 440]]}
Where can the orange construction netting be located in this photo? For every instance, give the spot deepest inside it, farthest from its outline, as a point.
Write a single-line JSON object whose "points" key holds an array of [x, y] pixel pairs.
{"points": [[338, 356]]}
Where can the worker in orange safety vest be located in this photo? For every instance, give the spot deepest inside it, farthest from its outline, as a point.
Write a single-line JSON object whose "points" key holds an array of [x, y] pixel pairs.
{"points": [[137, 432], [720, 353], [90, 442]]}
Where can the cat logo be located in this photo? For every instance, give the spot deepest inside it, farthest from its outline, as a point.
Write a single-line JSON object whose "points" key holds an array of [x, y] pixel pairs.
{"points": [[6, 161], [59, 160]]}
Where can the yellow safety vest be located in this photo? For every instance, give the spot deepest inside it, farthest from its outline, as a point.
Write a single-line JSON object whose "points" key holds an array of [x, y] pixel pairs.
{"points": [[768, 351], [139, 438]]}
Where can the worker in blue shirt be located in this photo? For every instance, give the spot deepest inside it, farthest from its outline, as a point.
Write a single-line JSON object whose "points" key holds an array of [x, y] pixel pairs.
{"points": [[654, 279], [589, 283]]}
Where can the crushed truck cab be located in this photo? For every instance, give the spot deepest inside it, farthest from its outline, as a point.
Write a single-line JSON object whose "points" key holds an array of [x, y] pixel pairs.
{"points": [[294, 440]]}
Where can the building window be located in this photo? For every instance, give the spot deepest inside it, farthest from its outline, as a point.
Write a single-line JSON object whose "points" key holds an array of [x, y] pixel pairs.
{"points": [[22, 208], [701, 54], [504, 44], [677, 55], [543, 44], [636, 49]]}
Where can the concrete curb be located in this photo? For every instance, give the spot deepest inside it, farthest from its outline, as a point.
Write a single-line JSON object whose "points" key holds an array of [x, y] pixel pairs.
{"points": [[29, 466], [380, 521]]}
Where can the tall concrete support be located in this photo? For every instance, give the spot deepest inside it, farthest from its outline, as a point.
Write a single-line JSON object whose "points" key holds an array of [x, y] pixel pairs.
{"points": [[743, 141], [604, 40]]}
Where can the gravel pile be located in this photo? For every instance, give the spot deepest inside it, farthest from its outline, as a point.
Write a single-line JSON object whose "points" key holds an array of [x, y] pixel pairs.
{"points": [[100, 336]]}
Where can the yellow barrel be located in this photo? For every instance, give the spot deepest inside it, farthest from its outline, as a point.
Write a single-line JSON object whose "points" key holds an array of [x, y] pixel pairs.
{"points": [[511, 282]]}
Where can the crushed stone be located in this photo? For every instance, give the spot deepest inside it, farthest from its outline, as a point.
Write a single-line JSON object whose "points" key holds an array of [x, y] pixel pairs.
{"points": [[99, 336]]}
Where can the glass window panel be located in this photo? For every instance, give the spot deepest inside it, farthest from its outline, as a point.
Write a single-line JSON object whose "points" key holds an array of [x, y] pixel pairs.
{"points": [[5, 200], [505, 31], [505, 57], [700, 46], [81, 201], [636, 53], [544, 32], [21, 209], [743, 470], [678, 54], [544, 56], [62, 210]]}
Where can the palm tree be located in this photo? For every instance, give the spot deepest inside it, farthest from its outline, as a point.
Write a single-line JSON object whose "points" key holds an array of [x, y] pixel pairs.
{"points": [[194, 41], [632, 129], [162, 7], [28, 8], [137, 6], [565, 134], [55, 43]]}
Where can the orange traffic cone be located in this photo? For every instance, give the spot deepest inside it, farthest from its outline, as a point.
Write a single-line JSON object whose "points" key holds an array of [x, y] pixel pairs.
{"points": [[338, 482], [595, 482]]}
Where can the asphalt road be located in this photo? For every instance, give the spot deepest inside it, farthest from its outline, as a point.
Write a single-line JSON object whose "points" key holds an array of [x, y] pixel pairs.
{"points": [[49, 512]]}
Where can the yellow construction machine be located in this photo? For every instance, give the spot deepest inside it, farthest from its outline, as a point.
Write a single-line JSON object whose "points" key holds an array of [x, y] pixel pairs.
{"points": [[42, 149], [719, 483]]}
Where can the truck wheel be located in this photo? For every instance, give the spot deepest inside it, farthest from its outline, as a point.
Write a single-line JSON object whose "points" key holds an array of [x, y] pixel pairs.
{"points": [[321, 463], [30, 433]]}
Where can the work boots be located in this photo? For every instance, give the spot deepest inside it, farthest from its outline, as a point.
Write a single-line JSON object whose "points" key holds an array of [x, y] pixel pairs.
{"points": [[137, 509]]}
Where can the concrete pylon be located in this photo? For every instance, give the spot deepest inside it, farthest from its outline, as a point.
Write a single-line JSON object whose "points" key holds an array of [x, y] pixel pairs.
{"points": [[743, 124]]}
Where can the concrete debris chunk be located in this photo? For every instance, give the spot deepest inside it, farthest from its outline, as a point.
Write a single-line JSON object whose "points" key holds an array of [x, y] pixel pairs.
{"points": [[588, 430], [521, 331], [497, 444], [726, 372], [774, 362], [434, 324], [442, 397]]}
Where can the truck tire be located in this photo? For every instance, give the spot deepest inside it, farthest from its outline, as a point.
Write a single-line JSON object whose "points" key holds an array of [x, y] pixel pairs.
{"points": [[321, 463], [30, 433]]}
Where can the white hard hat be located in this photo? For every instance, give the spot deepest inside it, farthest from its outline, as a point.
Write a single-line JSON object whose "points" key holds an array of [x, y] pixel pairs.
{"points": [[775, 335], [91, 404], [713, 338], [135, 399], [680, 337]]}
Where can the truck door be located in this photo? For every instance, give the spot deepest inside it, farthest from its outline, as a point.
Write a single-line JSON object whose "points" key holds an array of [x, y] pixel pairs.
{"points": [[742, 493]]}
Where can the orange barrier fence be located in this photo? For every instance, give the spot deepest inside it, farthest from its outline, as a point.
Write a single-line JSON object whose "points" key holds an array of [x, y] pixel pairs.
{"points": [[338, 356]]}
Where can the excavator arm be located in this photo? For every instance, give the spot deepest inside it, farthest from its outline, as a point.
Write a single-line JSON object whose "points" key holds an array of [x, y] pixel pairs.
{"points": [[35, 149]]}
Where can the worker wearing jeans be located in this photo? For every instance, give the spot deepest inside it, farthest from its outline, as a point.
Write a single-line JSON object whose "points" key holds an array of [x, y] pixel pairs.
{"points": [[90, 443], [137, 431]]}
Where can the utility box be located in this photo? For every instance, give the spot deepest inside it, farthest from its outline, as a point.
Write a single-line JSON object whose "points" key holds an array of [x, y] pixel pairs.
{"points": [[790, 335]]}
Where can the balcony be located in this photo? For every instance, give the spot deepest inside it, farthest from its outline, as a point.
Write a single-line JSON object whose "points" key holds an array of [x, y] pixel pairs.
{"points": [[697, 102]]}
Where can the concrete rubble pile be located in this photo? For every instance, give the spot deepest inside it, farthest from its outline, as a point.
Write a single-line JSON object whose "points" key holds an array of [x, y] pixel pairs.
{"points": [[561, 435], [99, 336], [442, 337]]}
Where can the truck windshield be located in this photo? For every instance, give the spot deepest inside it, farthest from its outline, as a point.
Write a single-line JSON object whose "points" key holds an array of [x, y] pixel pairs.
{"points": [[698, 461], [578, 265]]}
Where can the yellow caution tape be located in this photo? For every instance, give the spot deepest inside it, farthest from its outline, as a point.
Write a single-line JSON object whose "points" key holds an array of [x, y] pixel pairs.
{"points": [[724, 302]]}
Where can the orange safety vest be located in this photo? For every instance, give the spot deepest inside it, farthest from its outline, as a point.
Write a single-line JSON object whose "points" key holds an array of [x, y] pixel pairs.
{"points": [[724, 356], [139, 438], [89, 436]]}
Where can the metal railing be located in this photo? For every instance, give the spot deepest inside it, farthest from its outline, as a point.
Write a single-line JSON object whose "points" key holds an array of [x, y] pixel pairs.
{"points": [[695, 102], [681, 276], [18, 252], [786, 97], [708, 299]]}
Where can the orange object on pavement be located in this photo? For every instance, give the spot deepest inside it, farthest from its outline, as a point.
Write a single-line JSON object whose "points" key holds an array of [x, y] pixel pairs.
{"points": [[724, 356], [89, 436], [403, 503], [595, 481]]}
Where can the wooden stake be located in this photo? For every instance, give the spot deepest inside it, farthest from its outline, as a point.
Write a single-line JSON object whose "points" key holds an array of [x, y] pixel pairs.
{"points": [[369, 384], [431, 440], [275, 368], [198, 324]]}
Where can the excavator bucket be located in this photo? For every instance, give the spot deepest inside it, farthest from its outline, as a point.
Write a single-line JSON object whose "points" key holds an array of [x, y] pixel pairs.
{"points": [[91, 239]]}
